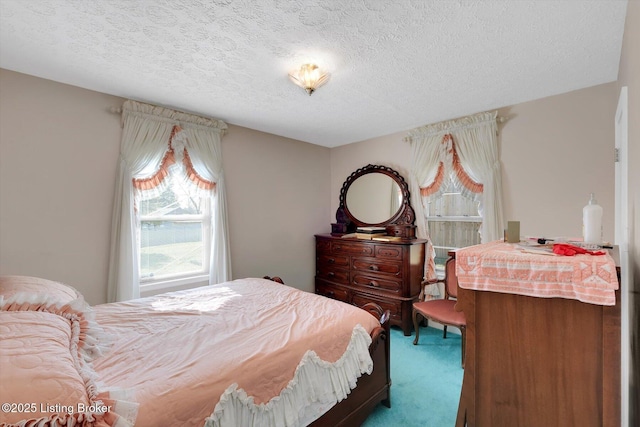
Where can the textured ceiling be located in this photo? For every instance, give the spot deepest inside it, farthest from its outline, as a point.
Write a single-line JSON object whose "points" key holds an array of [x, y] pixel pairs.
{"points": [[395, 65]]}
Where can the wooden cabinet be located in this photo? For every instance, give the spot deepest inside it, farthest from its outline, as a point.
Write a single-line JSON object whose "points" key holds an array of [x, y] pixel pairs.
{"points": [[361, 271], [539, 361]]}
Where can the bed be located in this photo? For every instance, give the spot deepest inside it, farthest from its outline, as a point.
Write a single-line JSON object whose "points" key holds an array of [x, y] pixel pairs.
{"points": [[246, 352]]}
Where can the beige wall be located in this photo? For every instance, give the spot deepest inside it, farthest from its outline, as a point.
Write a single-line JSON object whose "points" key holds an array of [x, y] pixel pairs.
{"points": [[58, 152], [277, 191], [554, 152], [629, 76]]}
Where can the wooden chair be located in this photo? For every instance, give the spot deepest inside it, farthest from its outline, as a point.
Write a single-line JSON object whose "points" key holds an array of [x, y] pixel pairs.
{"points": [[442, 310]]}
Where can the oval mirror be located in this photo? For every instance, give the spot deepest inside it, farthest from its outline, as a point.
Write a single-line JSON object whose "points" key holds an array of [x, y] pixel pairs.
{"points": [[374, 196]]}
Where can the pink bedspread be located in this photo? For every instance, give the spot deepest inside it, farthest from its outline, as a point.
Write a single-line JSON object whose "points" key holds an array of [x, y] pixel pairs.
{"points": [[504, 267], [179, 352]]}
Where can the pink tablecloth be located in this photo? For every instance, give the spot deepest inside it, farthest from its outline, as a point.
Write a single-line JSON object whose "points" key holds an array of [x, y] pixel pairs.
{"points": [[504, 267]]}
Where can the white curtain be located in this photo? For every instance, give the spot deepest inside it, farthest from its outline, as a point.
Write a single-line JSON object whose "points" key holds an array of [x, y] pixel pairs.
{"points": [[477, 145], [207, 161], [474, 139], [145, 137], [425, 163]]}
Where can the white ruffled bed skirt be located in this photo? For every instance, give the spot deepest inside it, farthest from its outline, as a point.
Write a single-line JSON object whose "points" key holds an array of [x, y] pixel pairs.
{"points": [[316, 386]]}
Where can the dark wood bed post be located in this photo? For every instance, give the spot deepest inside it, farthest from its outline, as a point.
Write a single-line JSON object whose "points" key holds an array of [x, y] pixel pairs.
{"points": [[384, 317], [371, 389]]}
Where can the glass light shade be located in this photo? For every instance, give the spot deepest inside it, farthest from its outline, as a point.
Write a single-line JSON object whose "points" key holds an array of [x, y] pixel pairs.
{"points": [[309, 77]]}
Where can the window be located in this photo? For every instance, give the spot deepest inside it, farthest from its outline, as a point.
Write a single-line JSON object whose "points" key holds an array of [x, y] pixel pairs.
{"points": [[454, 222], [174, 233], [464, 152], [163, 235]]}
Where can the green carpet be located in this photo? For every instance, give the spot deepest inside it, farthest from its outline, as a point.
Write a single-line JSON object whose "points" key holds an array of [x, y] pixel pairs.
{"points": [[425, 381]]}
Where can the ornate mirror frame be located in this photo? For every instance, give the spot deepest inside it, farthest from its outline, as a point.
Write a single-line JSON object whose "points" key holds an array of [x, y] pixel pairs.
{"points": [[347, 222]]}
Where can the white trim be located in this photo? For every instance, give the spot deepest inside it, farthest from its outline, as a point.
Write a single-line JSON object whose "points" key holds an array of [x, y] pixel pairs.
{"points": [[201, 279], [459, 218], [174, 218], [622, 238]]}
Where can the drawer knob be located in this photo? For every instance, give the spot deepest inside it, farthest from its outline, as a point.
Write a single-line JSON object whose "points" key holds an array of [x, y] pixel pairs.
{"points": [[331, 274], [373, 267], [373, 283], [332, 260]]}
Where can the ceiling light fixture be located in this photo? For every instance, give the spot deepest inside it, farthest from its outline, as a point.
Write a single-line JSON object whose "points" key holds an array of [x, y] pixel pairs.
{"points": [[309, 78]]}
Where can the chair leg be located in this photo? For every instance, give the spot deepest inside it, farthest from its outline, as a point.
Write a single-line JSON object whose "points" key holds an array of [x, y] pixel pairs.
{"points": [[444, 334], [464, 344], [416, 326]]}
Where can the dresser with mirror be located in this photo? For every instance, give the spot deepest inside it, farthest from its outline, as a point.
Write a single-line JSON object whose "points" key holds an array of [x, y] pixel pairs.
{"points": [[387, 270]]}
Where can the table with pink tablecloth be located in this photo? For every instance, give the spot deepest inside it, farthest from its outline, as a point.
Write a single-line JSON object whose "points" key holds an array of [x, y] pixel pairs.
{"points": [[510, 268]]}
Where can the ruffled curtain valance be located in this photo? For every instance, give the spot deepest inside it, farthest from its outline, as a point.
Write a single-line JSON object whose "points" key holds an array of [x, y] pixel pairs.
{"points": [[144, 161], [450, 169], [463, 153], [176, 156]]}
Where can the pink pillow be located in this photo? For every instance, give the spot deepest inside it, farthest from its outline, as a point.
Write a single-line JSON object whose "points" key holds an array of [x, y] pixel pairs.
{"points": [[35, 286], [46, 374], [39, 376]]}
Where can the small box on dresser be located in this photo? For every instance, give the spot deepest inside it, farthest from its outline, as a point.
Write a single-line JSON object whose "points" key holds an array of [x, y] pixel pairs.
{"points": [[361, 271], [405, 231]]}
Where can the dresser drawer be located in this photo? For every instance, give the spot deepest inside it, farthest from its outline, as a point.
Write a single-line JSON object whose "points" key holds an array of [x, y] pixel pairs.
{"points": [[389, 251], [352, 248], [333, 275], [374, 265], [374, 282], [330, 261], [331, 291], [323, 246]]}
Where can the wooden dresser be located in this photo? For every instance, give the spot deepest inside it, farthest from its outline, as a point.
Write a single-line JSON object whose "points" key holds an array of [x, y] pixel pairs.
{"points": [[534, 361], [360, 271]]}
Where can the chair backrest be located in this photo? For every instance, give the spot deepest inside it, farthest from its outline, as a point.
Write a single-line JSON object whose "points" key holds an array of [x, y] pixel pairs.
{"points": [[450, 279]]}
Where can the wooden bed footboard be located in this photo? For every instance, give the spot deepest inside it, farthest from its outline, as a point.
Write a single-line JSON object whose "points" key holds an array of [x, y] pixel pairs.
{"points": [[371, 389]]}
